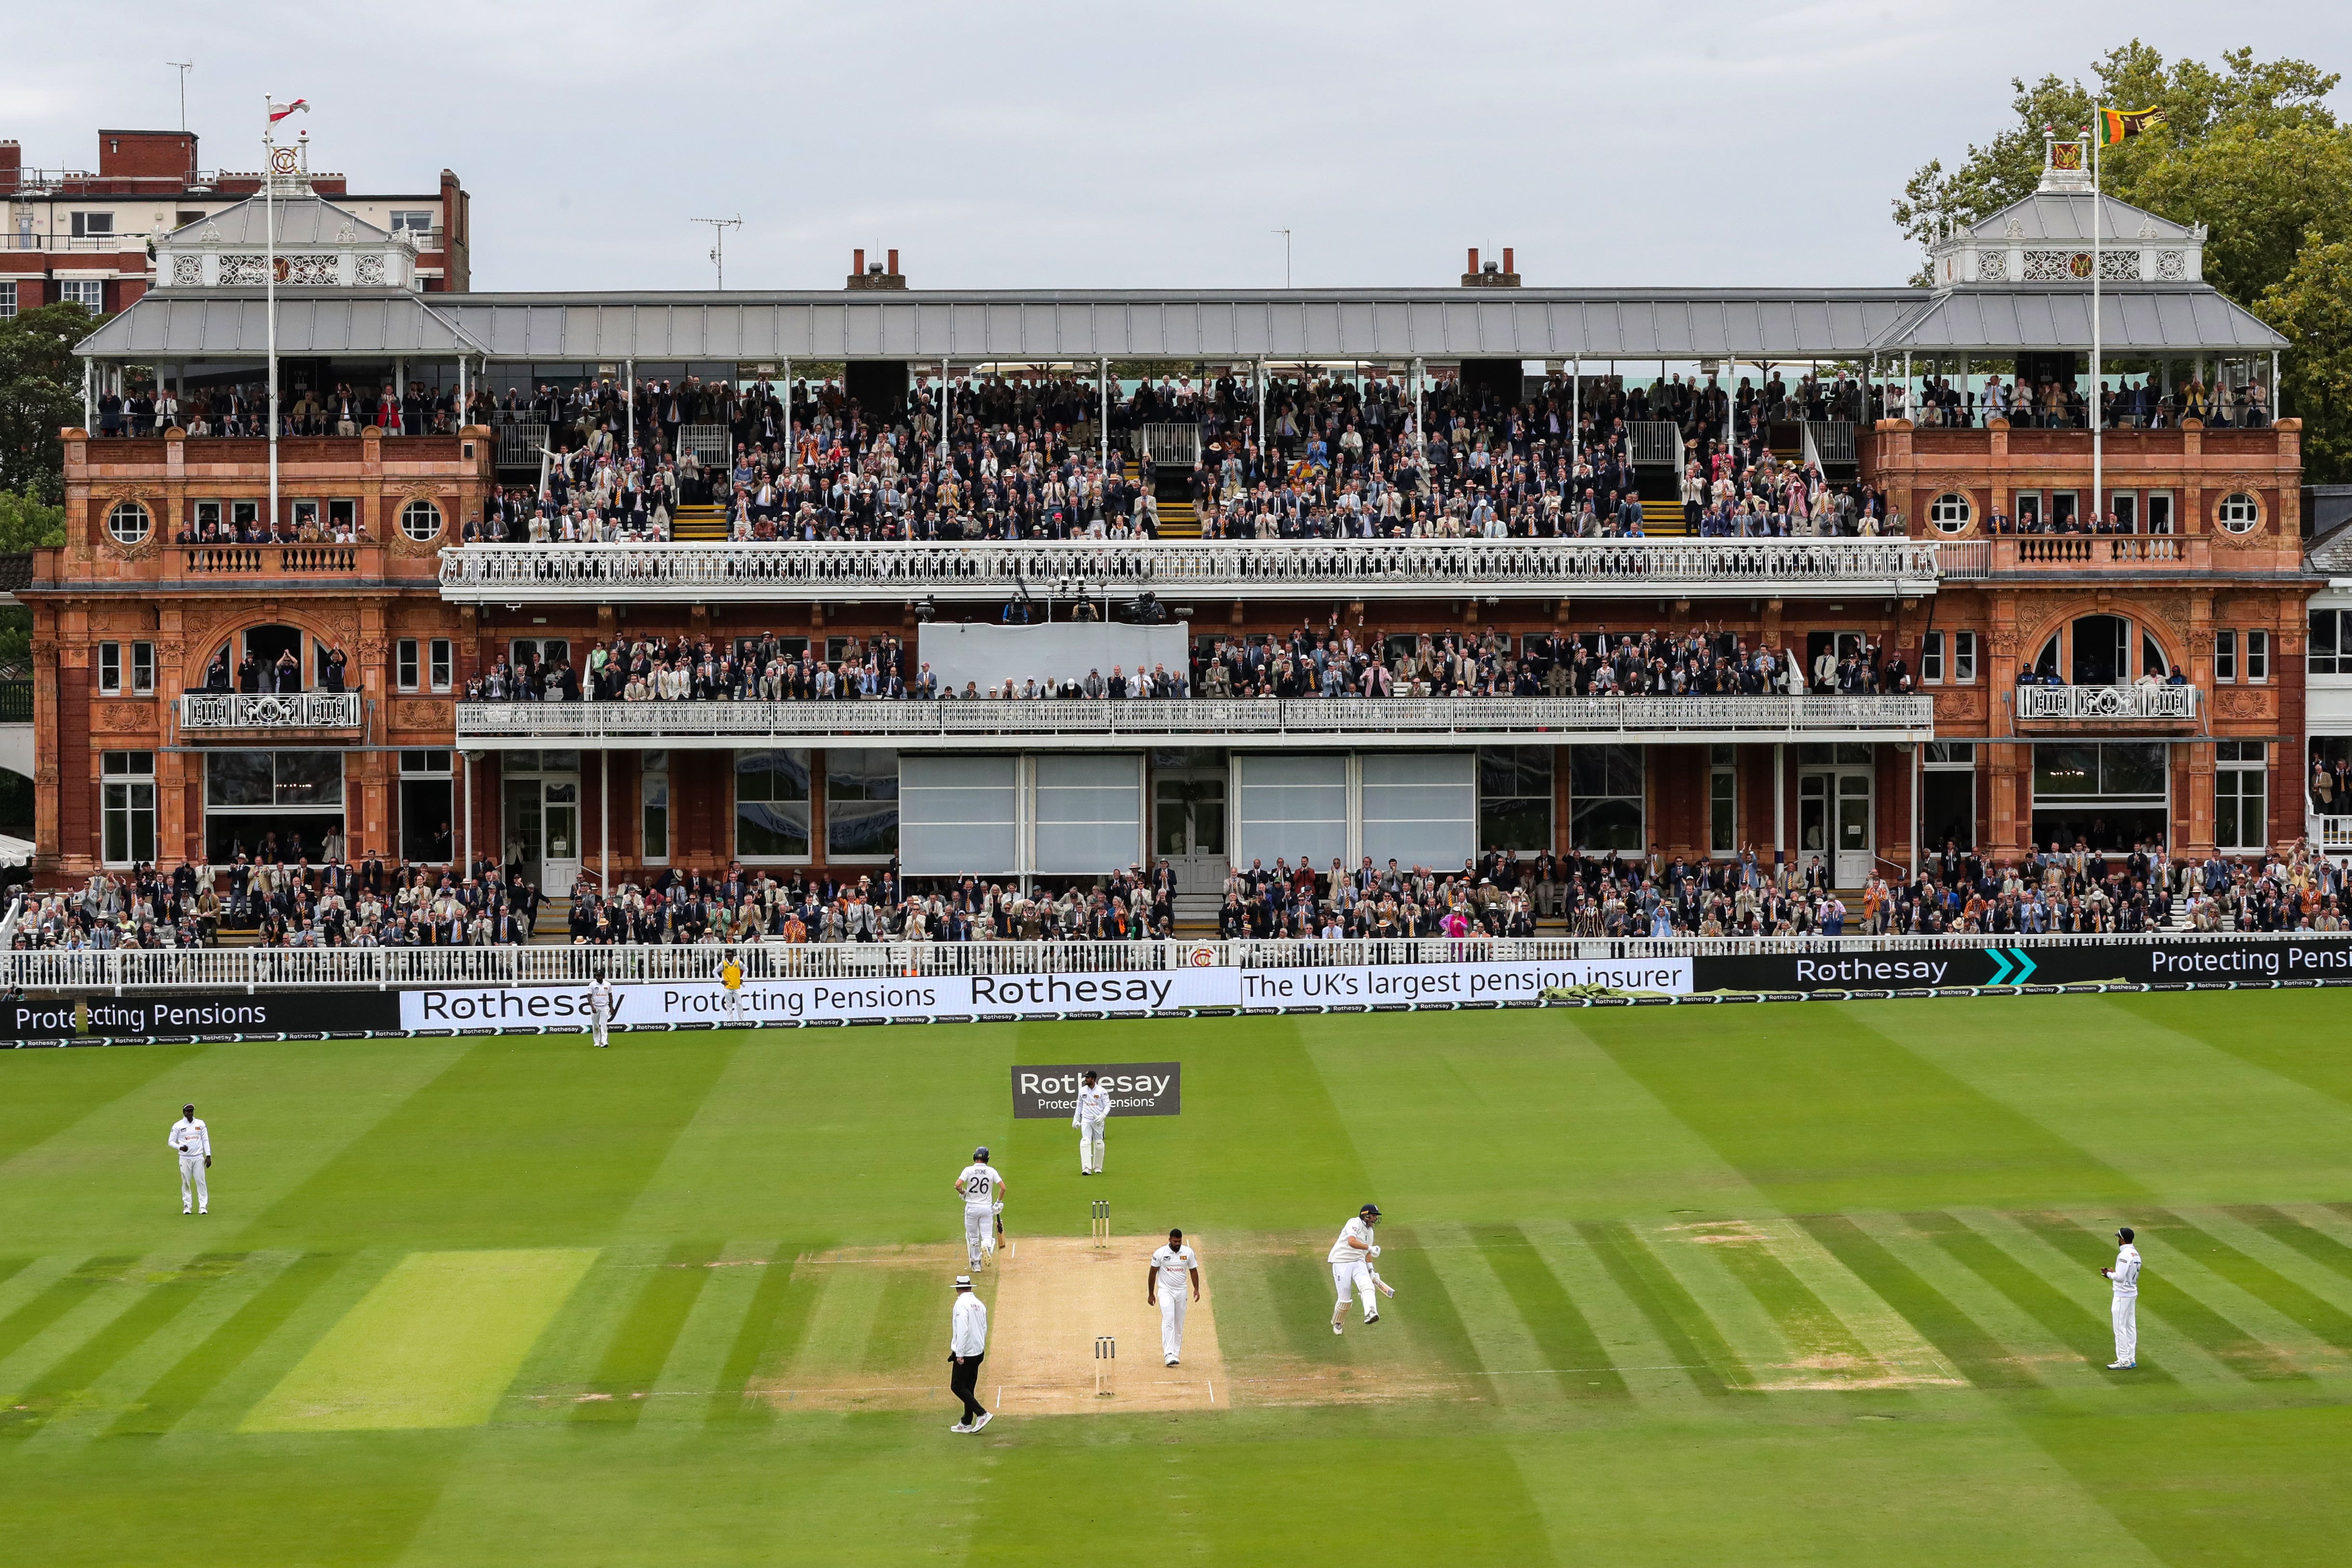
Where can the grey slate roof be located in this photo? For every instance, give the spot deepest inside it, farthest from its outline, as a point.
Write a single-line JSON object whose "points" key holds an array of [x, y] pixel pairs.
{"points": [[301, 220], [2133, 317], [220, 324], [2054, 215], [2330, 554]]}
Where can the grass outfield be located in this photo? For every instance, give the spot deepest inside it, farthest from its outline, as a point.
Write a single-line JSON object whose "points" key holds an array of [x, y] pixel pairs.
{"points": [[1771, 1284]]}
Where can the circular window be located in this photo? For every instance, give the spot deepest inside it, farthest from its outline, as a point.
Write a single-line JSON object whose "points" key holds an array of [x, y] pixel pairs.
{"points": [[1950, 512], [128, 523], [2239, 512], [421, 520]]}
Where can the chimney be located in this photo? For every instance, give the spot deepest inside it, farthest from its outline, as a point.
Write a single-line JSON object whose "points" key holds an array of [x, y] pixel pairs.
{"points": [[1507, 276], [880, 276], [12, 166]]}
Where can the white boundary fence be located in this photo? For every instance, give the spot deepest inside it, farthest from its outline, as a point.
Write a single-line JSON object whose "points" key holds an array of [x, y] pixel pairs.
{"points": [[272, 968]]}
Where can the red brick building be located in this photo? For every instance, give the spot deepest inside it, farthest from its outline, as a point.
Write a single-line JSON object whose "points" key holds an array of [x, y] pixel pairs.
{"points": [[2170, 652], [86, 235]]}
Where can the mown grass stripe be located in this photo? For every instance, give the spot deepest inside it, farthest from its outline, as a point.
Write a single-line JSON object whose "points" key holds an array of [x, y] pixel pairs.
{"points": [[2315, 1244], [765, 1319], [79, 1369], [1429, 1317], [1562, 1335], [2257, 1278], [1812, 1329], [222, 1351], [911, 1308], [640, 1345], [1689, 1335], [12, 1267], [1976, 1354], [63, 1295], [2073, 1324], [2163, 1299]]}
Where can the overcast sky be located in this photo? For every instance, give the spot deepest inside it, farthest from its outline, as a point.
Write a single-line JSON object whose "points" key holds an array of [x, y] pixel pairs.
{"points": [[1047, 144]]}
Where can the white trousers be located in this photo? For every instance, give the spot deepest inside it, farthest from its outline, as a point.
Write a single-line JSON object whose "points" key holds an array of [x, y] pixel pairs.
{"points": [[602, 1027], [1090, 1147], [979, 1226], [734, 1004], [1171, 1320], [1355, 1276], [191, 1179], [2125, 1313]]}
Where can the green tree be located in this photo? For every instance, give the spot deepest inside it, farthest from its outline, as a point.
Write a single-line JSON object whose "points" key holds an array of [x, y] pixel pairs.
{"points": [[40, 393], [27, 522], [2313, 306], [2247, 147]]}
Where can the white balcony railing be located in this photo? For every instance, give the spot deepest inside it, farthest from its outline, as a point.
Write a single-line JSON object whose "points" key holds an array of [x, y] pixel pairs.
{"points": [[270, 710], [2332, 834], [1252, 568], [2112, 704], [1249, 722]]}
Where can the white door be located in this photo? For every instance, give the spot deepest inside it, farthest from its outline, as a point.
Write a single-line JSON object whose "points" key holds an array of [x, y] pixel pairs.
{"points": [[560, 830], [1188, 829], [1857, 845], [1835, 824]]}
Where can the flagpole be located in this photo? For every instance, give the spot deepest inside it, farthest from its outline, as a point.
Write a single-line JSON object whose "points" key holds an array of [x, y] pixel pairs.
{"points": [[2098, 411], [269, 282]]}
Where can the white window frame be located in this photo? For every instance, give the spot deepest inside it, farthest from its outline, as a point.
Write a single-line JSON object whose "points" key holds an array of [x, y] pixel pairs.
{"points": [[2338, 664], [143, 669], [128, 792], [2230, 757], [1723, 770], [655, 767], [73, 291], [1953, 518], [7, 300], [2225, 658], [2258, 657], [1964, 658], [1931, 659], [405, 668], [2153, 501], [93, 225], [441, 663], [110, 669], [2250, 516]]}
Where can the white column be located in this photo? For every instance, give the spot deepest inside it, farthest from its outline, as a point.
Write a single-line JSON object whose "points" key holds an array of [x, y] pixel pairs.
{"points": [[89, 397], [605, 822], [629, 394], [1780, 804], [465, 780], [788, 414], [1918, 747], [1261, 405], [1355, 834], [1102, 428]]}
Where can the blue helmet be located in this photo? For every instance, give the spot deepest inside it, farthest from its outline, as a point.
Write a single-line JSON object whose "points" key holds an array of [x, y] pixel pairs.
{"points": [[980, 1155]]}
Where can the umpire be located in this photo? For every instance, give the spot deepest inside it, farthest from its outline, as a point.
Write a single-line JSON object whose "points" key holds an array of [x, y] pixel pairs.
{"points": [[967, 1347]]}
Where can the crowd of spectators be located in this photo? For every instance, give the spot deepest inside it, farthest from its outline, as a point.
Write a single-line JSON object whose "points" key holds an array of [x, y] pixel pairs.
{"points": [[1010, 458], [1308, 662], [295, 903], [2056, 403], [742, 905], [243, 409]]}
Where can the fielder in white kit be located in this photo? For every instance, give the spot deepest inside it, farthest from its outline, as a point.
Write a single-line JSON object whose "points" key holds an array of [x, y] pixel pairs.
{"points": [[979, 1185], [1171, 1267], [600, 1009], [1352, 1267], [1086, 1116], [193, 1142], [2124, 1277]]}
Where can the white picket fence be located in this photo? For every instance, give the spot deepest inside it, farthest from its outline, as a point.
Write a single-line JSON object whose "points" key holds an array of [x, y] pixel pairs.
{"points": [[274, 969]]}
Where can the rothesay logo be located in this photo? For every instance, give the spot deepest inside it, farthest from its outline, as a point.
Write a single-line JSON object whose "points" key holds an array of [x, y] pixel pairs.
{"points": [[1137, 1088]]}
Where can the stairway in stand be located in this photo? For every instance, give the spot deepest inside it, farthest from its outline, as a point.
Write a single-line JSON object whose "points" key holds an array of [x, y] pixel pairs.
{"points": [[699, 525], [1662, 519], [1178, 519]]}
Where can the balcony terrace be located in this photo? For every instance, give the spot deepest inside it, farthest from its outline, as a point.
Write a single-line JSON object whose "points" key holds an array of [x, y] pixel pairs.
{"points": [[1251, 723], [1253, 569], [211, 712], [2095, 706]]}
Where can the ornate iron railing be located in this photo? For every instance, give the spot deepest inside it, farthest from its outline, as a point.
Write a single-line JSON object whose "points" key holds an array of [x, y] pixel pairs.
{"points": [[2121, 704], [270, 710], [1270, 569], [1244, 721]]}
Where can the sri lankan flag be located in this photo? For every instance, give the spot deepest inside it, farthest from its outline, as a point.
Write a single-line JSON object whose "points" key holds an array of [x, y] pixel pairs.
{"points": [[2122, 124]]}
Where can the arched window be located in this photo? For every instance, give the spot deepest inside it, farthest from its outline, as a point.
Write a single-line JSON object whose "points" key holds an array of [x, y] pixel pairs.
{"points": [[1950, 512], [128, 523], [2239, 512], [421, 521]]}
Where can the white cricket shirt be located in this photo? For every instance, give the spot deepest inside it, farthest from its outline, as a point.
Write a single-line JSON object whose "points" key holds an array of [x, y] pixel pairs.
{"points": [[1093, 1104], [968, 1328], [191, 1136], [600, 1000], [2126, 1275], [1356, 1230], [1175, 1265], [980, 1184]]}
